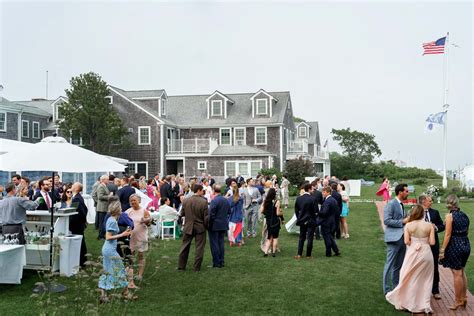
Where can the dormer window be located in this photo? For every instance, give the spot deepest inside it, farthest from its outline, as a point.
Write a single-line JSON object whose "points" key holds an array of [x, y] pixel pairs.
{"points": [[262, 107], [216, 108], [163, 107], [302, 132], [110, 99]]}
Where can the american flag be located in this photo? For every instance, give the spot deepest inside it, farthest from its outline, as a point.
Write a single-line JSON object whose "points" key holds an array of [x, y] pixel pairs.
{"points": [[436, 47]]}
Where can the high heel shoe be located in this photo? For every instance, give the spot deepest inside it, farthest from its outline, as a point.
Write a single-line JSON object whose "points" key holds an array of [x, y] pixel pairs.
{"points": [[464, 301], [456, 305]]}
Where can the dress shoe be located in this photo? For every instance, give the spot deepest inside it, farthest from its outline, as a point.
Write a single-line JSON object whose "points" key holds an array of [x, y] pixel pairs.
{"points": [[337, 254], [309, 257], [437, 296], [297, 257]]}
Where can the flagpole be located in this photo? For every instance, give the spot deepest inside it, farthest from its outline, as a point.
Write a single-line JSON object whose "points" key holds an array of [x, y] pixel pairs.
{"points": [[445, 107]]}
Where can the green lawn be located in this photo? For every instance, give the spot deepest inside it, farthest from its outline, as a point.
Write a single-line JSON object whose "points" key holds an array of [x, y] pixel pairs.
{"points": [[250, 283]]}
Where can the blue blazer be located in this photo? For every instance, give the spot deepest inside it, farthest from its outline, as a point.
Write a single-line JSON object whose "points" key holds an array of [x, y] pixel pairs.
{"points": [[219, 211], [393, 220], [328, 212]]}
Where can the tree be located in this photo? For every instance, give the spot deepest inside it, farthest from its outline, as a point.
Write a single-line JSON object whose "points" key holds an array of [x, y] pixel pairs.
{"points": [[298, 119], [89, 114], [360, 148], [298, 169]]}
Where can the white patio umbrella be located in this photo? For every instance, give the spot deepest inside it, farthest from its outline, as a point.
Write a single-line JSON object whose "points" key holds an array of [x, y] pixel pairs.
{"points": [[57, 155]]}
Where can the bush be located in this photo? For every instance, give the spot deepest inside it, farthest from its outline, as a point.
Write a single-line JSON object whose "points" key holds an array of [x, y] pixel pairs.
{"points": [[293, 190], [298, 169], [270, 172], [420, 181]]}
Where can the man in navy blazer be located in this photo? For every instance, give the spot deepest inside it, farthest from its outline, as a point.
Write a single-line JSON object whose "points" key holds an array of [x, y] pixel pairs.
{"points": [[394, 218], [219, 212], [44, 192], [337, 217], [305, 211], [432, 216], [78, 223], [124, 194], [327, 216]]}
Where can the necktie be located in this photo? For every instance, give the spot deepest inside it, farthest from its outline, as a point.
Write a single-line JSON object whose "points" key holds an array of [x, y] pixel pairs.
{"points": [[48, 200], [403, 209], [427, 219]]}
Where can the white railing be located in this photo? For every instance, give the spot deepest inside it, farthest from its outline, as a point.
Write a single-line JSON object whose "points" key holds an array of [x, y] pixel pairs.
{"points": [[298, 146], [193, 145], [319, 153]]}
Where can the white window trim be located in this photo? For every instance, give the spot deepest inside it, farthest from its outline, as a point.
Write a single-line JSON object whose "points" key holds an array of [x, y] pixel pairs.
{"points": [[163, 107], [136, 166], [35, 123], [236, 165], [111, 99], [245, 135], [220, 136], [27, 130], [256, 106], [302, 128], [4, 125], [212, 107], [266, 135], [140, 128], [202, 162]]}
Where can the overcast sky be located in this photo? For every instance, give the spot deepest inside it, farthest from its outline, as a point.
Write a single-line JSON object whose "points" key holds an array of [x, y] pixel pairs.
{"points": [[352, 64]]}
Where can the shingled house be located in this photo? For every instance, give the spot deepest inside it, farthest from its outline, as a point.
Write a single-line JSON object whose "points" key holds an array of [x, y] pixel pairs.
{"points": [[217, 133]]}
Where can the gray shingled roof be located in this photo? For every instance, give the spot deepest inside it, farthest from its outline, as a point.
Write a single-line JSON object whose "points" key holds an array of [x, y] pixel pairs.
{"points": [[191, 110], [240, 151], [25, 106], [145, 93]]}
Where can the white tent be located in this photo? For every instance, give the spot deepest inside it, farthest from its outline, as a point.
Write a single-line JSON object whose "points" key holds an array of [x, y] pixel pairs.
{"points": [[56, 154], [467, 177], [7, 145]]}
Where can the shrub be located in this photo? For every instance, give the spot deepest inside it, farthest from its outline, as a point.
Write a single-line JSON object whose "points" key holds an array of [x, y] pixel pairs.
{"points": [[420, 181], [298, 169], [270, 172]]}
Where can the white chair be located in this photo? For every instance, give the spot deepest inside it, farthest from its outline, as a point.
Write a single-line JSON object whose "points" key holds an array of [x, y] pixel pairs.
{"points": [[171, 229]]}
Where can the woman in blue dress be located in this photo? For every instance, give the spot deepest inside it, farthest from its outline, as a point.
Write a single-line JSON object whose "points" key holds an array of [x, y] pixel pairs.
{"points": [[115, 276], [456, 249]]}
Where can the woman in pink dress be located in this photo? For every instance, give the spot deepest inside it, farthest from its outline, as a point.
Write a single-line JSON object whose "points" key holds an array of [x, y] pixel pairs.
{"points": [[139, 238], [384, 190], [413, 293], [151, 191]]}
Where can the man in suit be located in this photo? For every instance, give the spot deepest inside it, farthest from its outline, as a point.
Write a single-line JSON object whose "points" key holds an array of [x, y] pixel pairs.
{"points": [[104, 197], [252, 200], [432, 216], [166, 190], [111, 185], [219, 212], [337, 217], [305, 211], [78, 222], [394, 218], [239, 179], [124, 193], [156, 180], [318, 196], [45, 193], [196, 219], [211, 180], [327, 215]]}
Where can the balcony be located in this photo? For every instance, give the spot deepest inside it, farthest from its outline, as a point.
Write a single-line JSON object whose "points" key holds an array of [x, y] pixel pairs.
{"points": [[192, 146], [300, 148]]}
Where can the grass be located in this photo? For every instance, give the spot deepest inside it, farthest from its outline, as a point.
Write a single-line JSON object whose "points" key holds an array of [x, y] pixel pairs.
{"points": [[250, 283]]}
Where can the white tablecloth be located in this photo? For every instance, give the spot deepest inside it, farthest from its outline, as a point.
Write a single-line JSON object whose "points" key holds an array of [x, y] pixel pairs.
{"points": [[155, 229], [12, 260]]}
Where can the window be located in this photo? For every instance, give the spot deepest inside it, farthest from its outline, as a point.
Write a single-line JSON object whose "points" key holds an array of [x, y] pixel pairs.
{"points": [[216, 108], [262, 107], [239, 134], [245, 168], [302, 131], [75, 138], [144, 133], [36, 130], [3, 121], [110, 99], [163, 106], [25, 129], [59, 111], [202, 165], [260, 135], [225, 138], [140, 167]]}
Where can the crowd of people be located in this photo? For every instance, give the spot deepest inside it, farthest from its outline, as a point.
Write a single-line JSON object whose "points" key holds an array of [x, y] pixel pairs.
{"points": [[206, 210], [411, 274]]}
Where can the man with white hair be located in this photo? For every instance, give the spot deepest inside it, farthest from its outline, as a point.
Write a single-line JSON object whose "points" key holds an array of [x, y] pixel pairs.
{"points": [[103, 199]]}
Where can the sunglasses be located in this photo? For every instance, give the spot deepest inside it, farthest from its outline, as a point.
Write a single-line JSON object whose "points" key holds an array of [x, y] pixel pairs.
{"points": [[68, 191]]}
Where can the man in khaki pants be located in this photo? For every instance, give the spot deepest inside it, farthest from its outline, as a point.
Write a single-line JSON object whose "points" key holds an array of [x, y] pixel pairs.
{"points": [[195, 213]]}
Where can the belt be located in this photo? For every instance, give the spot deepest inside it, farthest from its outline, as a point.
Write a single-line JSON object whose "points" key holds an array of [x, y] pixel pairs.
{"points": [[12, 225]]}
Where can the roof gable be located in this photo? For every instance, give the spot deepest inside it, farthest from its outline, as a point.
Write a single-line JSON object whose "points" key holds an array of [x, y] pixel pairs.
{"points": [[221, 95], [264, 92]]}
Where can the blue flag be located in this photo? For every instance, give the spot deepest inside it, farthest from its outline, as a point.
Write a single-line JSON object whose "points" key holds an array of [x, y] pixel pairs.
{"points": [[434, 121]]}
